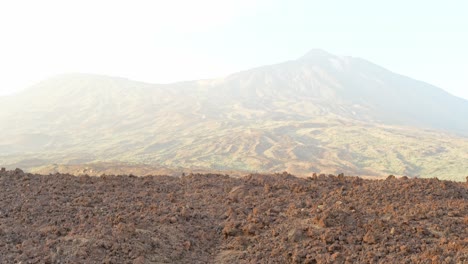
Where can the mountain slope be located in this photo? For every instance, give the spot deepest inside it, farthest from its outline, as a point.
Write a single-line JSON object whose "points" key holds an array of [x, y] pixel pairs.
{"points": [[318, 113], [349, 87]]}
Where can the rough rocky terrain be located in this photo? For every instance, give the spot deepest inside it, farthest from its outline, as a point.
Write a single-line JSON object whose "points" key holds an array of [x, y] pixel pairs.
{"points": [[219, 219]]}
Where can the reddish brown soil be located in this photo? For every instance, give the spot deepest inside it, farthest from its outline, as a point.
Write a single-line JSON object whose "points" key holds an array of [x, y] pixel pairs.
{"points": [[219, 219]]}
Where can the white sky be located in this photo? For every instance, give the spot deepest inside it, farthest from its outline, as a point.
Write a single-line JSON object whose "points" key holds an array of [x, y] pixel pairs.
{"points": [[166, 41]]}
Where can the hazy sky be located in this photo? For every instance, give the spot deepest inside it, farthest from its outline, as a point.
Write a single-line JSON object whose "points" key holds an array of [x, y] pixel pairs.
{"points": [[166, 41]]}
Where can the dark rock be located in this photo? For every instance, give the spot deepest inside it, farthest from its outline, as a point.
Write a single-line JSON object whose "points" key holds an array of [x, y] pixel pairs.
{"points": [[18, 172], [295, 235], [230, 229]]}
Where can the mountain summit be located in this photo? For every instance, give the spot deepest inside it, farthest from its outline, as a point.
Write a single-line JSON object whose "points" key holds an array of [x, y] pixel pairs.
{"points": [[321, 113], [316, 53]]}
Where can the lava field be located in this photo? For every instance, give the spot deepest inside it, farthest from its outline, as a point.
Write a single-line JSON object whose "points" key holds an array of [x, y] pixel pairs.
{"points": [[210, 218]]}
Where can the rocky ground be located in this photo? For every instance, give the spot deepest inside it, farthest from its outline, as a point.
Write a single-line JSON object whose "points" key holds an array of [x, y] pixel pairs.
{"points": [[219, 219]]}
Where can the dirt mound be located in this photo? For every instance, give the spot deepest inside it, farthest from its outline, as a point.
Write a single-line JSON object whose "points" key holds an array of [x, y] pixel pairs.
{"points": [[218, 219]]}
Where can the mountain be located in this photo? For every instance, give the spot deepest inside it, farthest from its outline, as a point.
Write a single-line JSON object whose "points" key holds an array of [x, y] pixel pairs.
{"points": [[318, 113]]}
